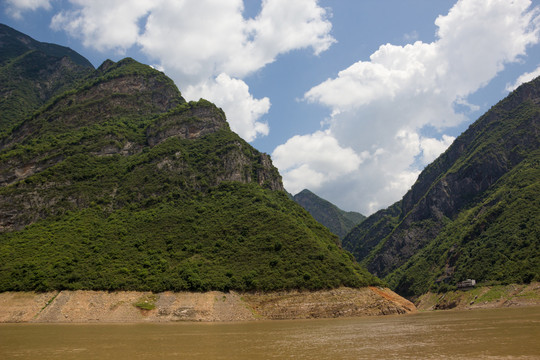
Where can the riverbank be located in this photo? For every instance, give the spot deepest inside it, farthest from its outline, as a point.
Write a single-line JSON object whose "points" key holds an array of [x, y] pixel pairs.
{"points": [[482, 297], [131, 306]]}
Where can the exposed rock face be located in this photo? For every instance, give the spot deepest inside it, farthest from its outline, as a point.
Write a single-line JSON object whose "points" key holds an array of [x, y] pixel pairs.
{"points": [[237, 166], [122, 306], [491, 147], [187, 122], [267, 175]]}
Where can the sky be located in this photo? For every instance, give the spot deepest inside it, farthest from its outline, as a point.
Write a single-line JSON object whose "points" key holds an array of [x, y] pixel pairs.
{"points": [[352, 99]]}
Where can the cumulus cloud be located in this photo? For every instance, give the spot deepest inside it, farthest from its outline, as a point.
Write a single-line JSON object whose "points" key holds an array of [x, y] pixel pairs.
{"points": [[15, 8], [104, 24], [204, 44], [382, 106], [523, 79], [311, 160]]}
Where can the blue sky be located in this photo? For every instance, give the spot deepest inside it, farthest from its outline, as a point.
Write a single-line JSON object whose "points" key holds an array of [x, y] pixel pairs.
{"points": [[351, 98]]}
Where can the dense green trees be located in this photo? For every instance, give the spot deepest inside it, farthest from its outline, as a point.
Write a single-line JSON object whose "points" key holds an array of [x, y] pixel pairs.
{"points": [[119, 184]]}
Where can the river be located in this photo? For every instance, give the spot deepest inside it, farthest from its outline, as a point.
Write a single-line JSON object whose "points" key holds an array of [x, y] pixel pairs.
{"points": [[507, 333]]}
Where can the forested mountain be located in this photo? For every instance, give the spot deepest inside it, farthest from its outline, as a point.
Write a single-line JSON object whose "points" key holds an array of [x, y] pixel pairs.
{"points": [[339, 222], [473, 213], [117, 183]]}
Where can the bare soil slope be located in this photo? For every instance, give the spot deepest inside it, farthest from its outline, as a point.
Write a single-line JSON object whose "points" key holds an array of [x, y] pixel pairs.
{"points": [[132, 306]]}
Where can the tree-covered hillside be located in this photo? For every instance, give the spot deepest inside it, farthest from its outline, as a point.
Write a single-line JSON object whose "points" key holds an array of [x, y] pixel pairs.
{"points": [[120, 184], [338, 221]]}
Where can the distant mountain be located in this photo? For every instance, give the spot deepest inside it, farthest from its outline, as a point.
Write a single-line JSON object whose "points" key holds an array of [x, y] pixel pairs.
{"points": [[473, 213], [14, 44], [118, 183], [32, 72], [339, 222]]}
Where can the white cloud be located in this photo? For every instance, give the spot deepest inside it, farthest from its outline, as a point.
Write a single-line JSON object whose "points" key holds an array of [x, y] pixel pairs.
{"points": [[196, 41], [523, 79], [284, 25], [384, 103], [104, 24], [15, 8], [312, 160], [243, 110]]}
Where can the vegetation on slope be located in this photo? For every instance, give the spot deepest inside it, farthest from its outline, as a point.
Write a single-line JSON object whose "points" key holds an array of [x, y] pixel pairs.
{"points": [[496, 241], [235, 236], [119, 184], [473, 212], [32, 72], [338, 221]]}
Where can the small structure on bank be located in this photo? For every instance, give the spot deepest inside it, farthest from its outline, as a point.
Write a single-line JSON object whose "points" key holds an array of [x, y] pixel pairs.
{"points": [[466, 284]]}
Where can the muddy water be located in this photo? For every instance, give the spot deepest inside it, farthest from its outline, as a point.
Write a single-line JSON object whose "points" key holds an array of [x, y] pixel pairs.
{"points": [[510, 333]]}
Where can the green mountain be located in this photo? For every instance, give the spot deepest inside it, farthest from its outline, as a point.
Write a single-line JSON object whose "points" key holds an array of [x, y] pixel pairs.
{"points": [[32, 72], [339, 222], [473, 213], [120, 184]]}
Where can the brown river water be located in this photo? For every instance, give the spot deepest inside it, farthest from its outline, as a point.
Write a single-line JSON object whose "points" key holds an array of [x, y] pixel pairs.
{"points": [[507, 333]]}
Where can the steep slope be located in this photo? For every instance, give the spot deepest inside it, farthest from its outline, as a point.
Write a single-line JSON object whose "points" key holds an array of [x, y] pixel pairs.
{"points": [[32, 72], [474, 212], [338, 221], [121, 184]]}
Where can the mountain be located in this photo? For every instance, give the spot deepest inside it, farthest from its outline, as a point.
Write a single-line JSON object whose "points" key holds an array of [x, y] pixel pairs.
{"points": [[118, 183], [473, 213], [32, 72], [339, 222]]}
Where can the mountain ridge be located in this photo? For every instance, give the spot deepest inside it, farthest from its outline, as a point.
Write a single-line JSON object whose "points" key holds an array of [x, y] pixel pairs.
{"points": [[340, 222], [493, 147], [32, 72]]}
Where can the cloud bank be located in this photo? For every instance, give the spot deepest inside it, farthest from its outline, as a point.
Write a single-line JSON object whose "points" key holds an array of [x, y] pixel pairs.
{"points": [[206, 46], [382, 108]]}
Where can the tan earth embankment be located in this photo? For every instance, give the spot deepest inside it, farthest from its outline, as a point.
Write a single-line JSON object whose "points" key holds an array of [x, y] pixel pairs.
{"points": [[482, 297], [131, 306]]}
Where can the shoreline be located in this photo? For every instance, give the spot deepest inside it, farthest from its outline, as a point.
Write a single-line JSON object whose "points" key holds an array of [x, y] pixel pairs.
{"points": [[482, 297], [86, 306], [83, 306]]}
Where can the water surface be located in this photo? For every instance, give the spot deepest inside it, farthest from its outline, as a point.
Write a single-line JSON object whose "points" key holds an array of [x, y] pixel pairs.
{"points": [[510, 333]]}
